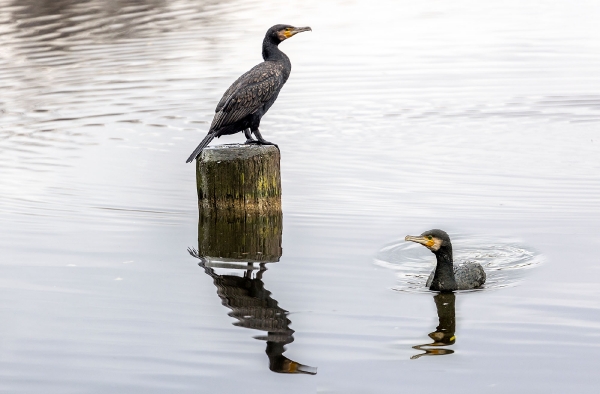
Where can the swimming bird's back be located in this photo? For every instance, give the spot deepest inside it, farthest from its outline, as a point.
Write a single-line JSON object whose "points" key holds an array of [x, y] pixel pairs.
{"points": [[468, 275]]}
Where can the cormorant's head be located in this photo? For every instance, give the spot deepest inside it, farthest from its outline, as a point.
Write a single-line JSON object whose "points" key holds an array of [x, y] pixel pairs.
{"points": [[433, 240], [279, 33]]}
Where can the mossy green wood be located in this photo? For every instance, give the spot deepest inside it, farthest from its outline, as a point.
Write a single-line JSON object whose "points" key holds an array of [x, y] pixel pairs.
{"points": [[242, 178], [239, 199]]}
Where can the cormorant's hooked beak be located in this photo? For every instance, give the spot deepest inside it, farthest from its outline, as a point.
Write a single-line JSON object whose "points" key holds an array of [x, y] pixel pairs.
{"points": [[429, 243], [297, 30], [432, 243]]}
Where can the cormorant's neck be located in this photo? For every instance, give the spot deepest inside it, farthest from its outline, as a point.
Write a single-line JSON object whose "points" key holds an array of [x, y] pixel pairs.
{"points": [[271, 51], [443, 280]]}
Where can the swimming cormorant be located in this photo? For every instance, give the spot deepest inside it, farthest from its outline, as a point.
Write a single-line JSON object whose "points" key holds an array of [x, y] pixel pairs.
{"points": [[251, 95], [446, 276]]}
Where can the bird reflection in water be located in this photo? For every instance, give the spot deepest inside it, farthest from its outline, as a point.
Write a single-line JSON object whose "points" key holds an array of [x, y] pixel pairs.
{"points": [[252, 305], [444, 332]]}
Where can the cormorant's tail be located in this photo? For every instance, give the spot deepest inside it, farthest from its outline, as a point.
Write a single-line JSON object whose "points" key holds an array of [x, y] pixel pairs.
{"points": [[209, 137]]}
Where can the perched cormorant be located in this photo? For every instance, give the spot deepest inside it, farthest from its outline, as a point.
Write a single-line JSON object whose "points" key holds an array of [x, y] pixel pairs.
{"points": [[251, 95], [446, 276]]}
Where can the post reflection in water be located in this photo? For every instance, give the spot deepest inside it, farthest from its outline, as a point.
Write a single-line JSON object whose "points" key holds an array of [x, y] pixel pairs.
{"points": [[444, 332], [240, 243]]}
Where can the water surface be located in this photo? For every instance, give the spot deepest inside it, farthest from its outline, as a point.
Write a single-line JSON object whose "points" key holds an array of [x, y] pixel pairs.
{"points": [[506, 263], [477, 118]]}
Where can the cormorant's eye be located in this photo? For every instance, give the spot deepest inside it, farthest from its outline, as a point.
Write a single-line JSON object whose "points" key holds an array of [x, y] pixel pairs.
{"points": [[429, 237]]}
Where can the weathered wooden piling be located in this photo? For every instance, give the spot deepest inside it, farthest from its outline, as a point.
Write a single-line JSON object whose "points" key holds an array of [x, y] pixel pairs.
{"points": [[239, 201], [239, 178]]}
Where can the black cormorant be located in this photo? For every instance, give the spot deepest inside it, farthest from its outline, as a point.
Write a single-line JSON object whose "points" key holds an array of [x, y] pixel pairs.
{"points": [[446, 276], [250, 97]]}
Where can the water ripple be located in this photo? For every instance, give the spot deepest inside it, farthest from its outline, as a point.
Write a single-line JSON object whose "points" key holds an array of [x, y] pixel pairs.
{"points": [[505, 262]]}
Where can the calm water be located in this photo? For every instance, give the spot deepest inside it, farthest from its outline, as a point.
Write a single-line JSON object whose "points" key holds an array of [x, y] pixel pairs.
{"points": [[480, 118]]}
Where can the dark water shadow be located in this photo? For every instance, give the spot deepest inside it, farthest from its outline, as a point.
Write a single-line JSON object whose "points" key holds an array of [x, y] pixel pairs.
{"points": [[246, 244], [114, 18], [444, 334], [253, 307]]}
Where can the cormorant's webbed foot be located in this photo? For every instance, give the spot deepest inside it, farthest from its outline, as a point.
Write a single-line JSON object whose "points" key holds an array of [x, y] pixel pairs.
{"points": [[261, 140]]}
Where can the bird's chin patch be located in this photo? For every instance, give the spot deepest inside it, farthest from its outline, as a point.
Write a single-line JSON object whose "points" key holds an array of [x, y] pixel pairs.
{"points": [[284, 34]]}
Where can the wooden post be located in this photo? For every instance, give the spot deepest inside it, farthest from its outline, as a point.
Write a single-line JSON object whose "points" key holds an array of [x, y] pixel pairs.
{"points": [[239, 201], [239, 178]]}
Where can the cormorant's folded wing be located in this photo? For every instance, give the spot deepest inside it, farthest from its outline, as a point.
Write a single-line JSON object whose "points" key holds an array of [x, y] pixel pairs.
{"points": [[248, 93]]}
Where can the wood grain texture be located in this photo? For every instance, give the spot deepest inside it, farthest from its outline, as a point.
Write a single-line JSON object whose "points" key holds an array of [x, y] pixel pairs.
{"points": [[241, 178], [239, 199]]}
